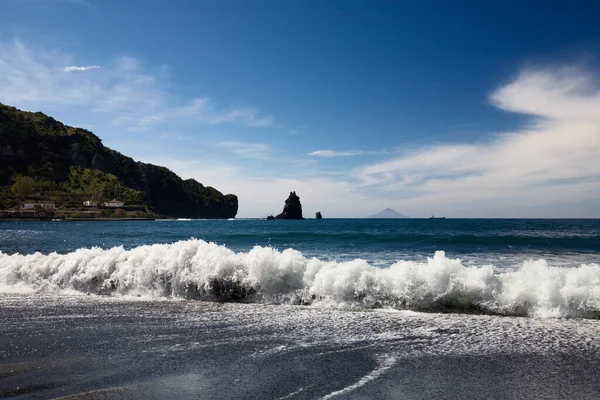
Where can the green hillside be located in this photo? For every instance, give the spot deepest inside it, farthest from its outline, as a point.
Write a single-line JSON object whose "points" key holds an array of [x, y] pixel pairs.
{"points": [[42, 159]]}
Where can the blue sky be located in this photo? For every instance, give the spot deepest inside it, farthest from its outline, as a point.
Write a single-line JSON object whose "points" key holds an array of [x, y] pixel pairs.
{"points": [[460, 108]]}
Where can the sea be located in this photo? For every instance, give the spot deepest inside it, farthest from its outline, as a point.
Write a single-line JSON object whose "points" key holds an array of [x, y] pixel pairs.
{"points": [[309, 309]]}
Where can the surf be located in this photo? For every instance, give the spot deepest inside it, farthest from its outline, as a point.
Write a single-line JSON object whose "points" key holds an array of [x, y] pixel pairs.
{"points": [[196, 269]]}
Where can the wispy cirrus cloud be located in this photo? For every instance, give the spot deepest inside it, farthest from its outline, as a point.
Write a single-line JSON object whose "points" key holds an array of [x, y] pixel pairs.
{"points": [[122, 91], [333, 153], [550, 161], [83, 3], [248, 150], [72, 68], [546, 168], [264, 194], [248, 115], [202, 109]]}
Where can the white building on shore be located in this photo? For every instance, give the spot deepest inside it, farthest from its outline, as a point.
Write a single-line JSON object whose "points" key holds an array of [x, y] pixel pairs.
{"points": [[113, 203], [33, 206]]}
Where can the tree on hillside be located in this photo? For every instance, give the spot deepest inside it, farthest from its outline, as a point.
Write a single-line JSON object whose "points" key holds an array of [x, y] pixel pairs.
{"points": [[97, 196], [23, 187], [3, 200]]}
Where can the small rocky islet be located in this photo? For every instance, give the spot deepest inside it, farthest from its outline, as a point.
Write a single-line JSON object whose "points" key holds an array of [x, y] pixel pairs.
{"points": [[292, 209]]}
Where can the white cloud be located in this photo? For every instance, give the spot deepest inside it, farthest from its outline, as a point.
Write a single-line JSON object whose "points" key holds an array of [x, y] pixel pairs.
{"points": [[122, 92], [83, 3], [567, 94], [546, 168], [262, 195], [47, 3], [203, 109], [550, 162], [248, 115], [249, 150], [333, 153], [72, 68]]}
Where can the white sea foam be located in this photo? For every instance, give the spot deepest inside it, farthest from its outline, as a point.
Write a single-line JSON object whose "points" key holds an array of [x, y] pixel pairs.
{"points": [[197, 269]]}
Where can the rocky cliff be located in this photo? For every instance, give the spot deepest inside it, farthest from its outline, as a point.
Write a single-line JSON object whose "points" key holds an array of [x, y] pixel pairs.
{"points": [[292, 208], [38, 146]]}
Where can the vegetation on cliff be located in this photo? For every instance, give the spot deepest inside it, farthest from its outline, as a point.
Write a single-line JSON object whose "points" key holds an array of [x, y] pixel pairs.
{"points": [[43, 159]]}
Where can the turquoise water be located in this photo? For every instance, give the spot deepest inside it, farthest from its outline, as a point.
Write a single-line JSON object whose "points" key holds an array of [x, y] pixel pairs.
{"points": [[541, 268], [301, 309], [502, 242]]}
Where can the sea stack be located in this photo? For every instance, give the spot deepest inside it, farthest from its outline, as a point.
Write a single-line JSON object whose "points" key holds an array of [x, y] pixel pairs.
{"points": [[318, 215], [292, 208]]}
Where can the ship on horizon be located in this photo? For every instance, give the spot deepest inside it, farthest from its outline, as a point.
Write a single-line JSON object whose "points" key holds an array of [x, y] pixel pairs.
{"points": [[434, 217]]}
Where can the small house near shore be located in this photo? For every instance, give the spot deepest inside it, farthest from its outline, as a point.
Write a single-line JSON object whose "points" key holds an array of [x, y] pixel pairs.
{"points": [[90, 203], [33, 206], [113, 203]]}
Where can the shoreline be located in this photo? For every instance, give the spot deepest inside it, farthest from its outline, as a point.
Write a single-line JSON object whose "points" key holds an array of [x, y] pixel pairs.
{"points": [[76, 219], [105, 219]]}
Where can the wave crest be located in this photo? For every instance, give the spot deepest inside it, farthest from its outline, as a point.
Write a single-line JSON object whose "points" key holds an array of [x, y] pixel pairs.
{"points": [[200, 270]]}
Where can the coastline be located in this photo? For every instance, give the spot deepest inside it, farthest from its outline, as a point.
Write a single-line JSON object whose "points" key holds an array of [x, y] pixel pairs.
{"points": [[33, 219]]}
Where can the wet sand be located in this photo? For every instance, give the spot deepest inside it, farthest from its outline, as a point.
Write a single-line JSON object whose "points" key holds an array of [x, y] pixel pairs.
{"points": [[90, 347]]}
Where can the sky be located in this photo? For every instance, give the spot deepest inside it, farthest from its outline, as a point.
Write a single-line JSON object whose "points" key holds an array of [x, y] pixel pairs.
{"points": [[457, 108]]}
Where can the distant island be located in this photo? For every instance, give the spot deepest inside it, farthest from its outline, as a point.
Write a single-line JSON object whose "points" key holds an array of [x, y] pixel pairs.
{"points": [[51, 170], [388, 213]]}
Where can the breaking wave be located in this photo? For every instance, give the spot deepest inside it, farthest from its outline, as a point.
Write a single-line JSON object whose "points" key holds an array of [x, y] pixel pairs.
{"points": [[195, 269]]}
